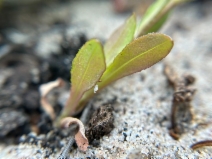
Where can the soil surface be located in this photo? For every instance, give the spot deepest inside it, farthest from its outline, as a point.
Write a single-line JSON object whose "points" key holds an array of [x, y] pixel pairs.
{"points": [[132, 118]]}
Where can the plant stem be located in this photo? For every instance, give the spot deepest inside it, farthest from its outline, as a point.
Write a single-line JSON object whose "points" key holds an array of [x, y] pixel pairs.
{"points": [[70, 106], [90, 93]]}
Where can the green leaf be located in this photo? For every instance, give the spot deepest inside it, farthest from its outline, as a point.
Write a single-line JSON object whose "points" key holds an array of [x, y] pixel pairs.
{"points": [[153, 18], [119, 39], [138, 55], [87, 68], [158, 24], [157, 14]]}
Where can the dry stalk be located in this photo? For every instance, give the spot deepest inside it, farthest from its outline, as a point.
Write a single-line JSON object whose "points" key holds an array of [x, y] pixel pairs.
{"points": [[181, 114], [44, 91]]}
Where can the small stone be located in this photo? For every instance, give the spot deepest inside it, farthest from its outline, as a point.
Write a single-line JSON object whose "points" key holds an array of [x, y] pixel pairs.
{"points": [[125, 129]]}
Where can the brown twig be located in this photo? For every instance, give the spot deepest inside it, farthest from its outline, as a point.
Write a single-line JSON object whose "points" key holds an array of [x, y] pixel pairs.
{"points": [[44, 90], [81, 140], [181, 114], [201, 144]]}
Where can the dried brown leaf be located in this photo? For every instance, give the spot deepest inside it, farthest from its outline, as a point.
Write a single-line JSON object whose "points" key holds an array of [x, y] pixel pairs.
{"points": [[81, 140], [44, 90]]}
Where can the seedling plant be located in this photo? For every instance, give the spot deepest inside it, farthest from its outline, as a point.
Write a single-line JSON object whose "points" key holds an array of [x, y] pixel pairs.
{"points": [[131, 48]]}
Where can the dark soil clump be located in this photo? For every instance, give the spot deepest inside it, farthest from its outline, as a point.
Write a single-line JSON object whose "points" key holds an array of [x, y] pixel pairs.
{"points": [[101, 123], [22, 73]]}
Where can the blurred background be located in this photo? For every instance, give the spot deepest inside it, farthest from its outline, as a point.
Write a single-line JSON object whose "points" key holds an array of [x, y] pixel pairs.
{"points": [[39, 39]]}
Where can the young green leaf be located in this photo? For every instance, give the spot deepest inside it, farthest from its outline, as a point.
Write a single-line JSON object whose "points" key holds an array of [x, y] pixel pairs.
{"points": [[119, 39], [156, 15], [153, 18], [138, 55], [158, 24], [87, 68]]}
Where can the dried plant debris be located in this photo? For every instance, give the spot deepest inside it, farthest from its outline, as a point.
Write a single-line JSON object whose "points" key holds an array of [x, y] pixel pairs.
{"points": [[181, 115], [81, 140], [65, 152], [101, 123], [44, 90], [201, 144]]}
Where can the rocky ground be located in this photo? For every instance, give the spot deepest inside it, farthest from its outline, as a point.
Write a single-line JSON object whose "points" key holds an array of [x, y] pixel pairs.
{"points": [[142, 102]]}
